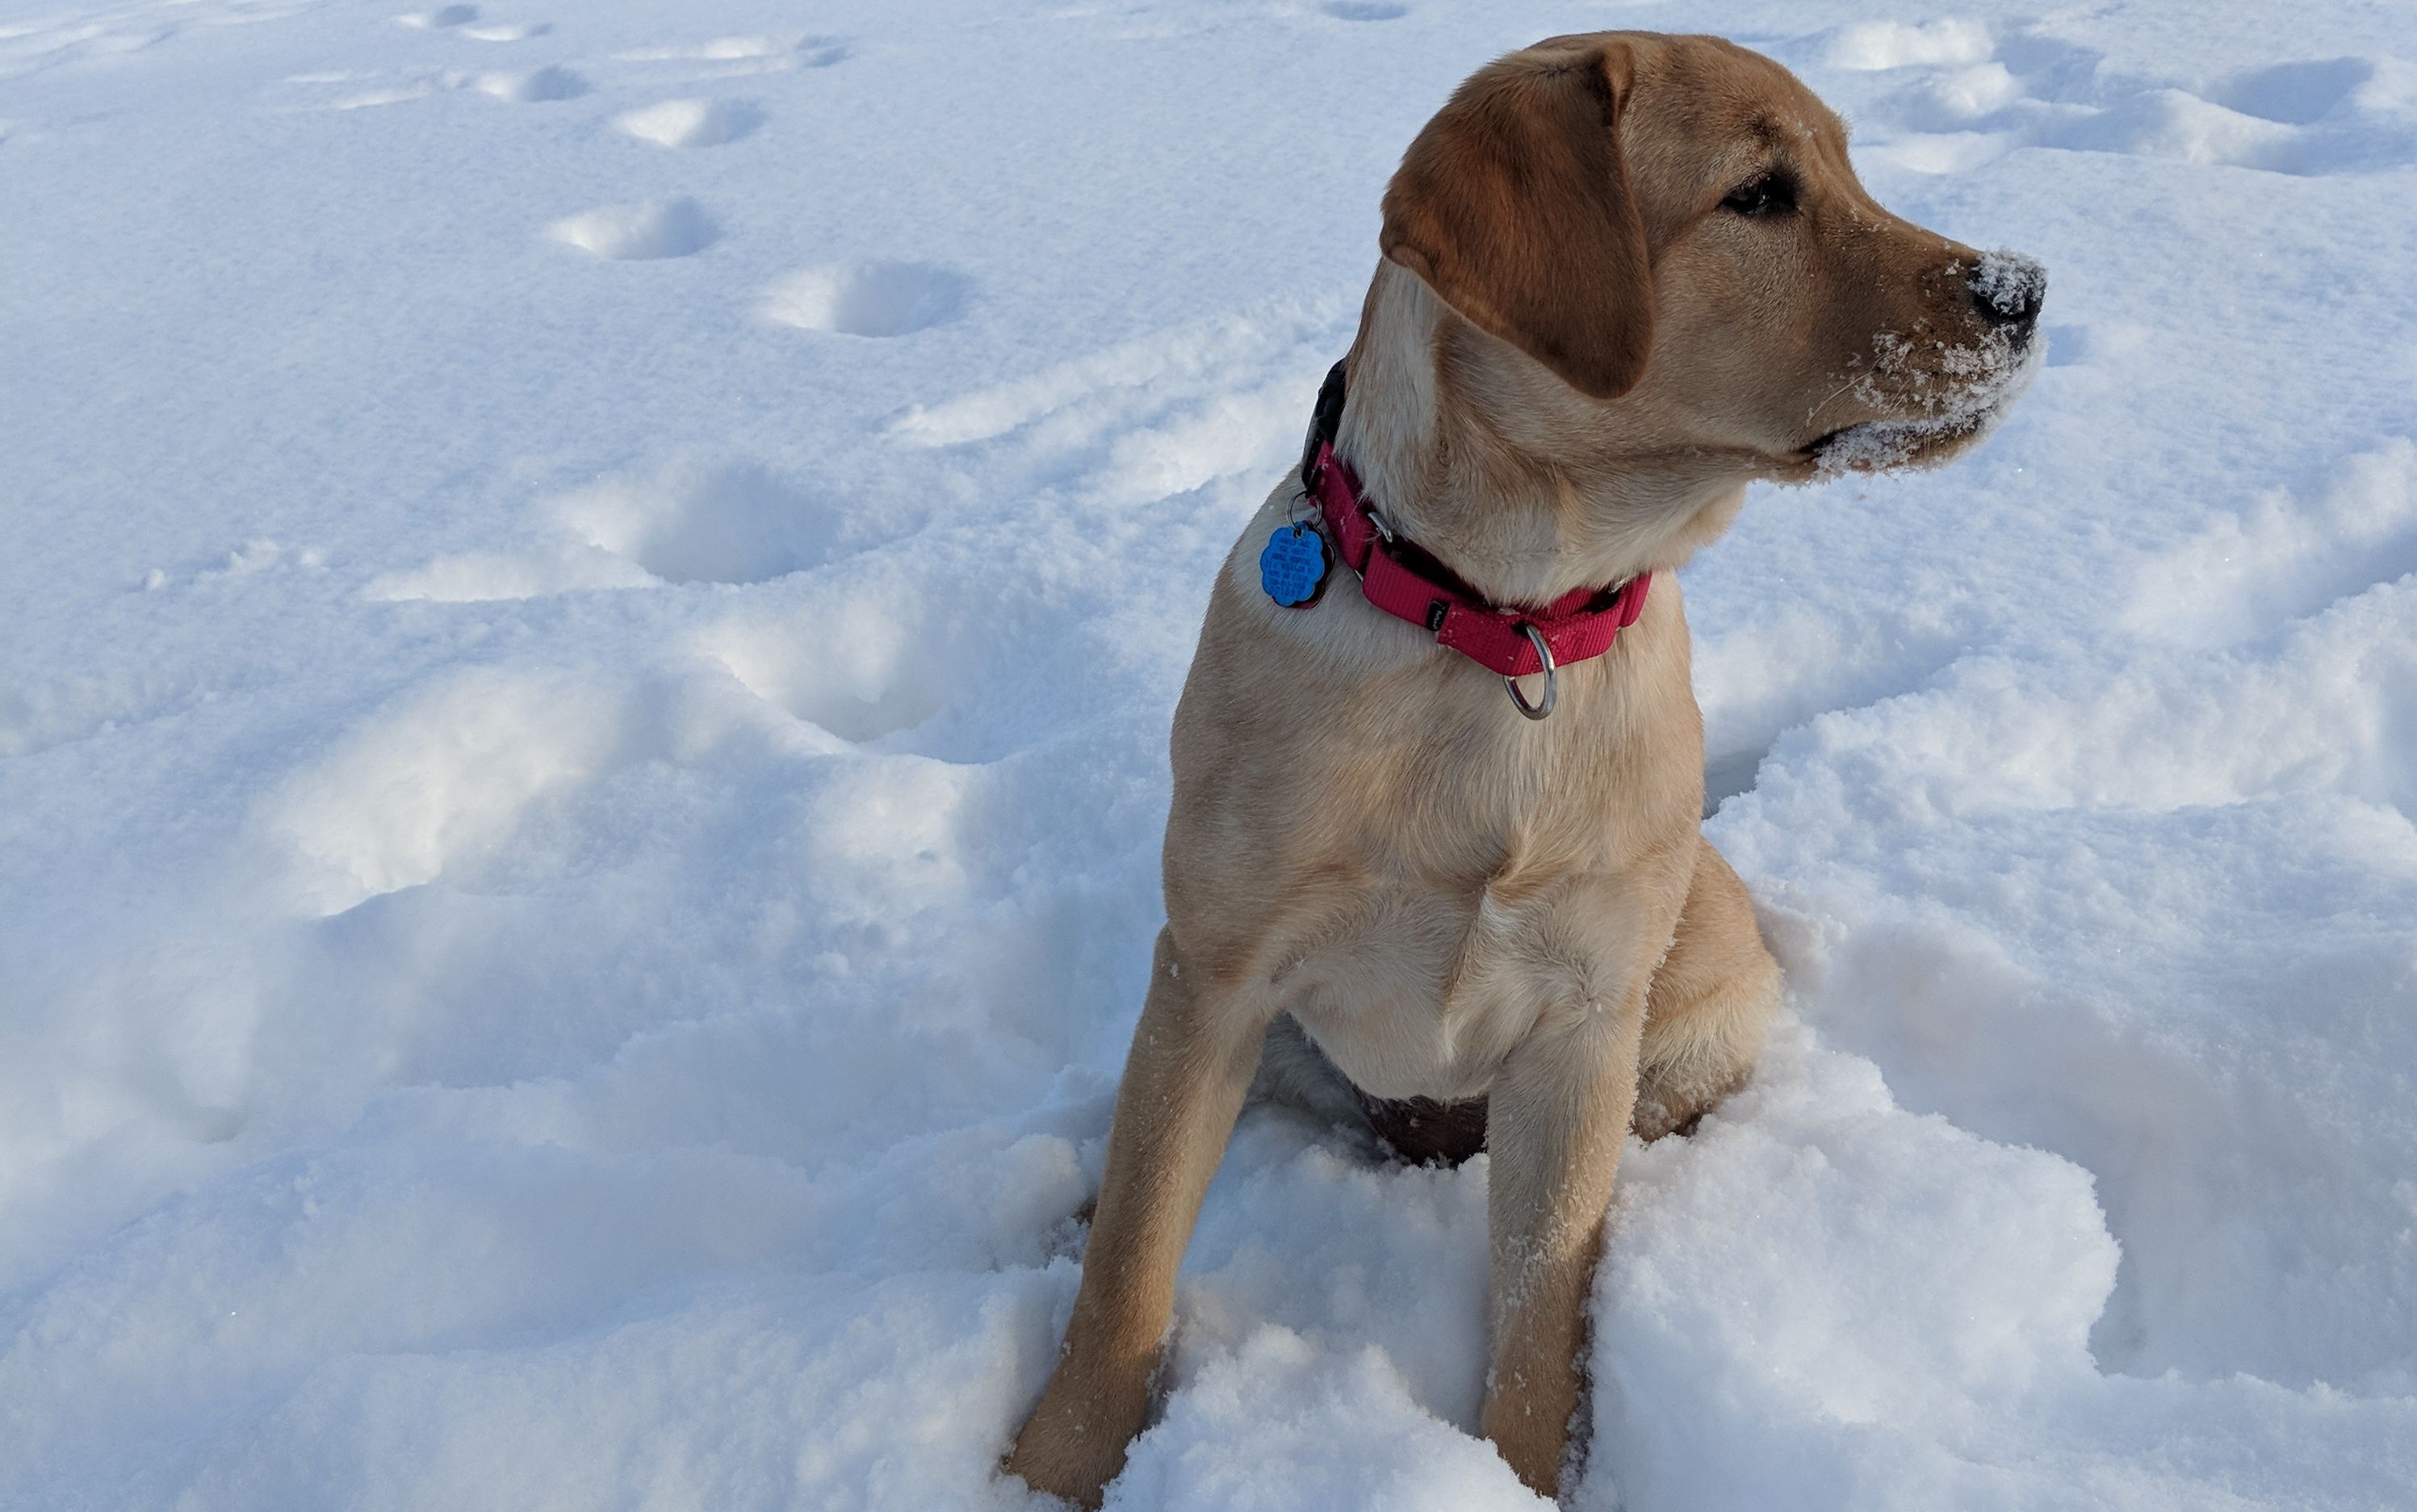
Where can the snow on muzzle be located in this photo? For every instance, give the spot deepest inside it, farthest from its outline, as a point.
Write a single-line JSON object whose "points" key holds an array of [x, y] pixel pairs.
{"points": [[1959, 393]]}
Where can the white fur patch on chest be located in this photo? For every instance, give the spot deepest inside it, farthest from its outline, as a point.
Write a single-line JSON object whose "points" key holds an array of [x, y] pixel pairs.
{"points": [[1432, 992]]}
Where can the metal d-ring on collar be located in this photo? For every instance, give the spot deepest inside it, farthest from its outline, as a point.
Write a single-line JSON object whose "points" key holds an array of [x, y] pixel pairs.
{"points": [[1536, 638], [1552, 693]]}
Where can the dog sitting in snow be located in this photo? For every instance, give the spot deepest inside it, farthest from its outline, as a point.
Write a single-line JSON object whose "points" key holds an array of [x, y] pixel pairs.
{"points": [[1435, 856]]}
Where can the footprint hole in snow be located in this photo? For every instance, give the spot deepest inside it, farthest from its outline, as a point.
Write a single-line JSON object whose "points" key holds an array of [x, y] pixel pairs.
{"points": [[534, 85], [866, 298], [2177, 125], [1955, 99], [2294, 93], [690, 122], [690, 523], [440, 18], [435, 781], [636, 233], [1875, 46], [2053, 72], [881, 678]]}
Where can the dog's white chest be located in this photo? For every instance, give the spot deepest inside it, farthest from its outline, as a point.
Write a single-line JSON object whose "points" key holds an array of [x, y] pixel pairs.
{"points": [[1429, 996]]}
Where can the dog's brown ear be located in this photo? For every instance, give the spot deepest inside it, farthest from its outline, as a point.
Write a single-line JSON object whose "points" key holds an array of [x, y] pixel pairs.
{"points": [[1514, 206]]}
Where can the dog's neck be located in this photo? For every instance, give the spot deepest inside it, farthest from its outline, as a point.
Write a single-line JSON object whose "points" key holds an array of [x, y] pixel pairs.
{"points": [[1500, 469]]}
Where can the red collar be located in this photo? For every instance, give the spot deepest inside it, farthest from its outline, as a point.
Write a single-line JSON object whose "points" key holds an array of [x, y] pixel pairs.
{"points": [[1407, 583]]}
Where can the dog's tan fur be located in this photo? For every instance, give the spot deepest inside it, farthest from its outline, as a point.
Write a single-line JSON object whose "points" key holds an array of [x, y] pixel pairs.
{"points": [[1572, 361]]}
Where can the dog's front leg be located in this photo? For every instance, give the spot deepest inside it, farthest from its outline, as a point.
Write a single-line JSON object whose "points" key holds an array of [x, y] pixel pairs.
{"points": [[1191, 1064], [1558, 1113]]}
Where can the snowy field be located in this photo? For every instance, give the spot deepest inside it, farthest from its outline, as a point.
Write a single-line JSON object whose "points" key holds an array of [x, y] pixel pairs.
{"points": [[591, 595]]}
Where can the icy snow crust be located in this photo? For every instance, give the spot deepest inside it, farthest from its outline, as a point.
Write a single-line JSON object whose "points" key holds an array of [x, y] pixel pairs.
{"points": [[592, 599]]}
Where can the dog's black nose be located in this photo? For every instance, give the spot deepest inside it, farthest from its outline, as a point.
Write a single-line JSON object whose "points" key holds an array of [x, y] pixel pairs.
{"points": [[2008, 288]]}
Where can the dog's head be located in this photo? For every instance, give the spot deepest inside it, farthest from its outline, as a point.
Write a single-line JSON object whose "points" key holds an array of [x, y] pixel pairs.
{"points": [[1669, 227]]}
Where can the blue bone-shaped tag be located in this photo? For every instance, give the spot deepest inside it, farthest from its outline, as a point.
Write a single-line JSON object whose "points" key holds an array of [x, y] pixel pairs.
{"points": [[1292, 565]]}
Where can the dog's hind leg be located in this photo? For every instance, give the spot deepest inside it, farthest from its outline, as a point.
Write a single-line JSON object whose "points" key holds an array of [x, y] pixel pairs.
{"points": [[1710, 1006]]}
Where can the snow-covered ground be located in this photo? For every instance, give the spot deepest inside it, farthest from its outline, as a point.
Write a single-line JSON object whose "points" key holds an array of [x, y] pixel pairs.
{"points": [[589, 599]]}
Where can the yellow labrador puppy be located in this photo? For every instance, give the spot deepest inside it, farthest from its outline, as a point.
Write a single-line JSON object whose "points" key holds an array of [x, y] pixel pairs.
{"points": [[1623, 276]]}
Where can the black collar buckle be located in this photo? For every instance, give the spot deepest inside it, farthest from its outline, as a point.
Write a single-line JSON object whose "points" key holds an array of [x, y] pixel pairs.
{"points": [[1323, 422]]}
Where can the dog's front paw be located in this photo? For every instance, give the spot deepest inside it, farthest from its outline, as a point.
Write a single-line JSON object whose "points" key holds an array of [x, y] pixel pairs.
{"points": [[1074, 1441], [1064, 1470]]}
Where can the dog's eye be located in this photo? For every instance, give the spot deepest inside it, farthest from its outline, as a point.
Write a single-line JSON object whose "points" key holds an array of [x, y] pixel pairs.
{"points": [[1771, 194]]}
